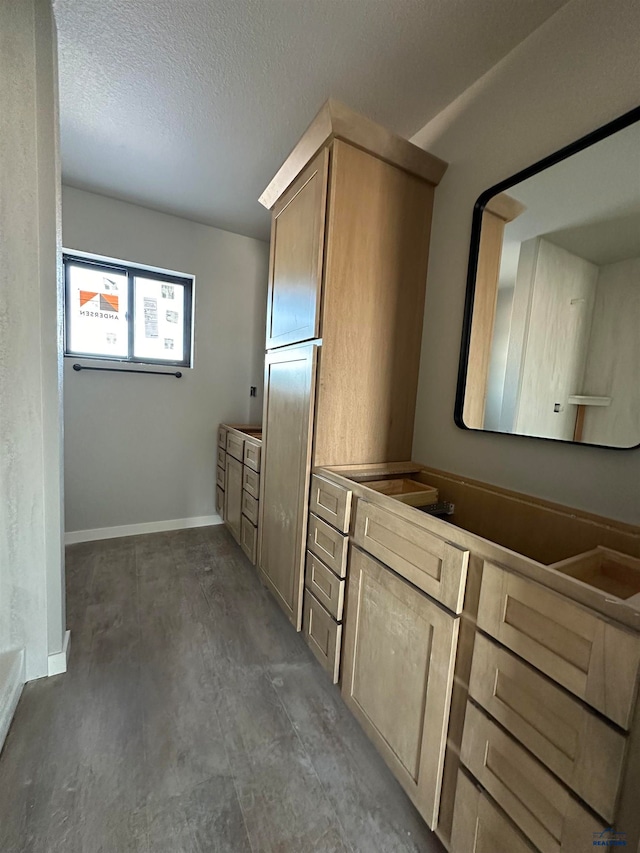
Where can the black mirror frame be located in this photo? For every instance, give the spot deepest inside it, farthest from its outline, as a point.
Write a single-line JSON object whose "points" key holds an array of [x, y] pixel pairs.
{"points": [[623, 121]]}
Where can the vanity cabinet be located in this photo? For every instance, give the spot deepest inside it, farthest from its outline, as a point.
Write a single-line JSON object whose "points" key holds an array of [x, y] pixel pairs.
{"points": [[238, 483], [351, 218], [398, 673]]}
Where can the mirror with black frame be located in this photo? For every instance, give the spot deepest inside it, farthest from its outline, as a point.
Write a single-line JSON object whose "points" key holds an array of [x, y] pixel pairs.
{"points": [[551, 339]]}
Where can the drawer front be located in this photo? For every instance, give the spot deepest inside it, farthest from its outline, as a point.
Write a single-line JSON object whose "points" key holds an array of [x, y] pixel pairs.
{"points": [[251, 482], [219, 501], [570, 740], [323, 635], [331, 502], [220, 477], [479, 826], [434, 565], [328, 544], [249, 538], [326, 587], [222, 458], [591, 658], [235, 446], [540, 806], [250, 507], [222, 437], [252, 454]]}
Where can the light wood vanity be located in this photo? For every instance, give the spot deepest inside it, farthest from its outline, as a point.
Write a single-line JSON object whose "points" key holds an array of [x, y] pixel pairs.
{"points": [[238, 482], [498, 681]]}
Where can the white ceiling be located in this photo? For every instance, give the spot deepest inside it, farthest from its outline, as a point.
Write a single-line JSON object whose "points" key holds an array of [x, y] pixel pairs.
{"points": [[190, 106]]}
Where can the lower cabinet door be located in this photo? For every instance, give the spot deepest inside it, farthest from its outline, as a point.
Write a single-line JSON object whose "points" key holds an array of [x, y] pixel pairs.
{"points": [[233, 496], [397, 675], [479, 826], [219, 501], [289, 391]]}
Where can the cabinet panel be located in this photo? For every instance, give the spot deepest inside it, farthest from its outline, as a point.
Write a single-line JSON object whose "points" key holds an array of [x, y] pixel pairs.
{"points": [[397, 675], [297, 246], [327, 588], [570, 740], [222, 458], [328, 544], [286, 461], [323, 636], [220, 477], [233, 496], [251, 482], [248, 538], [479, 826], [537, 803], [252, 453], [331, 503], [591, 658], [219, 501], [250, 507], [222, 437], [235, 446], [432, 564]]}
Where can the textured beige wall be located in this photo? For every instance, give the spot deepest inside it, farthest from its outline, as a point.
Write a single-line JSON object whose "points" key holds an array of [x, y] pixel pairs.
{"points": [[578, 71], [143, 449], [31, 567]]}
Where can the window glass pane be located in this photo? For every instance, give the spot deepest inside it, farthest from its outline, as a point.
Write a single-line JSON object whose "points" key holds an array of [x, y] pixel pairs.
{"points": [[97, 311], [159, 320]]}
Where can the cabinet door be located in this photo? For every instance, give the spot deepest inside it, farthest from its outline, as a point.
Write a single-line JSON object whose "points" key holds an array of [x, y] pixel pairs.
{"points": [[285, 470], [233, 496], [399, 651], [297, 245]]}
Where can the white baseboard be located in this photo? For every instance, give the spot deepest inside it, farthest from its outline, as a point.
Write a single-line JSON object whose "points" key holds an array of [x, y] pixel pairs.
{"points": [[57, 663], [11, 684], [72, 537]]}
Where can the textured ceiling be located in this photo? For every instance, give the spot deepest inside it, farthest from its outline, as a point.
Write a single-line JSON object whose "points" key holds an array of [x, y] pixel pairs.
{"points": [[190, 106]]}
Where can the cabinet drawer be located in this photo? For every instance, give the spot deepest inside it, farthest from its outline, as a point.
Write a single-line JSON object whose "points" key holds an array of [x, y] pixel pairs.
{"points": [[235, 446], [434, 565], [250, 507], [222, 437], [328, 544], [252, 454], [570, 740], [327, 588], [479, 826], [251, 482], [331, 503], [591, 658], [220, 477], [533, 798], [222, 458], [249, 538], [323, 635], [219, 501]]}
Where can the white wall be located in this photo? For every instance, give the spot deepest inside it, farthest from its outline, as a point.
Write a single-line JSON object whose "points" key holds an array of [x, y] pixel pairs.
{"points": [[612, 371], [141, 449], [31, 558], [576, 72]]}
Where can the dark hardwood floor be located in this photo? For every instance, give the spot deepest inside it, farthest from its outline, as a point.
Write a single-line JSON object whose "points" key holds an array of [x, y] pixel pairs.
{"points": [[192, 719]]}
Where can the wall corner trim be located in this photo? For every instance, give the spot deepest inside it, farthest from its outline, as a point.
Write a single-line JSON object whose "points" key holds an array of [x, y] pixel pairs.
{"points": [[73, 537], [11, 684], [57, 662]]}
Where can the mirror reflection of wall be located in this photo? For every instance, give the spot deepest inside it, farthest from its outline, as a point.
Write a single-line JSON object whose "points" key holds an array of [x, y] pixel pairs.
{"points": [[554, 347]]}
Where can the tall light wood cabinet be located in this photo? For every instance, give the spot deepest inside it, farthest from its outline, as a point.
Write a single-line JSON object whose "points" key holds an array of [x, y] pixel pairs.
{"points": [[351, 219]]}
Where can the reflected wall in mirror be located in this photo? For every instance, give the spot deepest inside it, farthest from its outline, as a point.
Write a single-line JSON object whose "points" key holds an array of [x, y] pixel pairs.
{"points": [[551, 344]]}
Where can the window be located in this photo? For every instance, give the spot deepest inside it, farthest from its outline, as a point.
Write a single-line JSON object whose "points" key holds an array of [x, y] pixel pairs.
{"points": [[117, 311]]}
